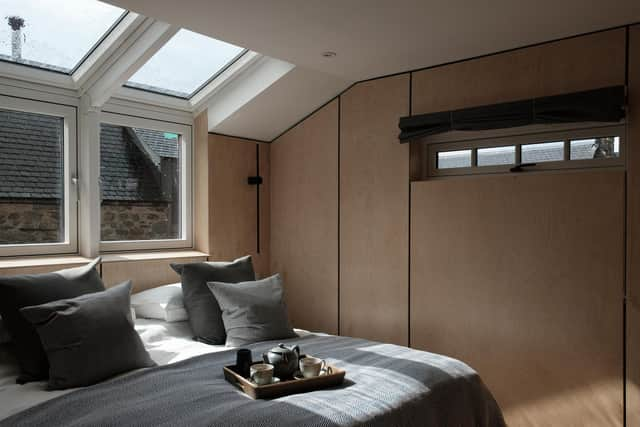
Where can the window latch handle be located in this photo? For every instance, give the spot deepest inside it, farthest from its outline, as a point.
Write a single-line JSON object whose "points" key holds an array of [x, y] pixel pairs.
{"points": [[518, 168]]}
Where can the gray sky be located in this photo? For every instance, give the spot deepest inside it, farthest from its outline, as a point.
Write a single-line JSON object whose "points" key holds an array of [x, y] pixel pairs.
{"points": [[61, 32], [57, 32]]}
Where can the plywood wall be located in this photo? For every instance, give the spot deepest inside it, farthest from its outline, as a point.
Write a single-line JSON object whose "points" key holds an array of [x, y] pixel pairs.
{"points": [[304, 219], [374, 211], [370, 226], [633, 229], [565, 66], [144, 272], [521, 277], [233, 212]]}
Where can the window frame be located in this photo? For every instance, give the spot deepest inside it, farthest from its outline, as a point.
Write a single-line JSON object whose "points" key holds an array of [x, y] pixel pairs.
{"points": [[186, 186], [523, 139], [70, 174]]}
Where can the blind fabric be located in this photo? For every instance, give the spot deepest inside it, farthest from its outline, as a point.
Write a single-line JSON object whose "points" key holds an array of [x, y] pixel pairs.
{"points": [[599, 105]]}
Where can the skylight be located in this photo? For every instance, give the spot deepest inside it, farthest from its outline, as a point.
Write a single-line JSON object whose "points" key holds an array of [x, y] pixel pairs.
{"points": [[54, 34], [184, 65]]}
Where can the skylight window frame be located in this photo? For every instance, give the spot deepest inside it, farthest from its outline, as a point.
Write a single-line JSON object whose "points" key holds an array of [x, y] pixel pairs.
{"points": [[217, 74], [86, 56], [99, 42]]}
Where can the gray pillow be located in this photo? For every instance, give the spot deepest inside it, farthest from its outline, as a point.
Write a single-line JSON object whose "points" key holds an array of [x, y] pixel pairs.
{"points": [[4, 335], [253, 311], [89, 338], [35, 289], [205, 317]]}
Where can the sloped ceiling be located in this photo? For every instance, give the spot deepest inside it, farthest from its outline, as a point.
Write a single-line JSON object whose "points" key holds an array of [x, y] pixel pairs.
{"points": [[372, 38]]}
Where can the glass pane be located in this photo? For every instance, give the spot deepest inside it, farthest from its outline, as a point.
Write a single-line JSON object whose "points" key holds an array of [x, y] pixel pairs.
{"points": [[544, 152], [454, 159], [595, 148], [53, 34], [173, 71], [31, 178], [496, 156], [140, 184]]}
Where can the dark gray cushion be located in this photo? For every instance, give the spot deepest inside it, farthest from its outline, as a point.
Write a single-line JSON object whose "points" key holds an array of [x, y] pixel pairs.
{"points": [[89, 338], [35, 289], [253, 311], [205, 317]]}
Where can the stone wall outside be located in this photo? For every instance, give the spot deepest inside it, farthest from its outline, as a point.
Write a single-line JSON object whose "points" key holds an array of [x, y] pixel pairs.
{"points": [[137, 221], [32, 221], [38, 221]]}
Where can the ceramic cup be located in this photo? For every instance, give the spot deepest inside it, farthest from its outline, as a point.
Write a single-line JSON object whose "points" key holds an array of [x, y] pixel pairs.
{"points": [[261, 373], [311, 366]]}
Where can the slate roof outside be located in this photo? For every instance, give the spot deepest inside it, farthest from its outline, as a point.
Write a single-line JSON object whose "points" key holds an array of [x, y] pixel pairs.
{"points": [[30, 153]]}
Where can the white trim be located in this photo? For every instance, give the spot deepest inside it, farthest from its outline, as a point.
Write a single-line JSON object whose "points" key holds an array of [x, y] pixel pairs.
{"points": [[70, 244], [107, 47], [35, 75], [149, 111], [146, 40], [36, 91], [200, 99], [186, 182], [152, 98], [244, 87]]}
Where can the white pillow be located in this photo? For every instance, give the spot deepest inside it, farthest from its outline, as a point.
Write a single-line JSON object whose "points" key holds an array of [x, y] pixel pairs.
{"points": [[164, 303]]}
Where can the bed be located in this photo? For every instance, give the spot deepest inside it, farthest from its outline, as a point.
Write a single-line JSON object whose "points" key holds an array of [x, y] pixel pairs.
{"points": [[385, 385]]}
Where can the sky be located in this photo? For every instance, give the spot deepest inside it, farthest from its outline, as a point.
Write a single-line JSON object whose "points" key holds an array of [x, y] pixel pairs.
{"points": [[62, 32], [187, 61], [57, 32]]}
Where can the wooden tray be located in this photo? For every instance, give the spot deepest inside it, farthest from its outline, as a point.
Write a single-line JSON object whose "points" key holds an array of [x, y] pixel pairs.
{"points": [[284, 388]]}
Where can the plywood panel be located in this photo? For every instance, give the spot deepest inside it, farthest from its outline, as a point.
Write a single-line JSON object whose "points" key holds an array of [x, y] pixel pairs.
{"points": [[522, 278], [564, 66], [233, 217], [374, 211], [633, 230], [201, 183], [304, 219], [143, 274]]}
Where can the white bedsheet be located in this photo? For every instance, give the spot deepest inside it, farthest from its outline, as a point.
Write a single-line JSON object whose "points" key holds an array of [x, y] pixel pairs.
{"points": [[165, 342]]}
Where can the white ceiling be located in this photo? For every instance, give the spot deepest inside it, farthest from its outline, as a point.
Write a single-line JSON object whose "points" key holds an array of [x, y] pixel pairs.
{"points": [[377, 37]]}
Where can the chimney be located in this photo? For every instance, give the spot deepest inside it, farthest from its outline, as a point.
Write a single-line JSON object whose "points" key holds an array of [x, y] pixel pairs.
{"points": [[16, 23]]}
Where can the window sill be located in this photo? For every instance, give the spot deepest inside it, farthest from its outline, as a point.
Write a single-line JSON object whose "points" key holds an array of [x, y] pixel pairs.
{"points": [[42, 261], [150, 256], [70, 260]]}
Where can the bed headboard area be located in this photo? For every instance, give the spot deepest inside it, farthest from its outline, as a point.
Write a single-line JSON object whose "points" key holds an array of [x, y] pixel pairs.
{"points": [[144, 270]]}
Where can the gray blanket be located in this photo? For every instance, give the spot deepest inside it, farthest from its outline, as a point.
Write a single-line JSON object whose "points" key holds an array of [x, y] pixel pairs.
{"points": [[385, 385]]}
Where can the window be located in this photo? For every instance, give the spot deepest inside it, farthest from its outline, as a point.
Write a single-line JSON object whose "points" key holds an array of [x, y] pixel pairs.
{"points": [[454, 159], [55, 35], [595, 148], [173, 70], [543, 152], [37, 167], [578, 148], [145, 184], [496, 156]]}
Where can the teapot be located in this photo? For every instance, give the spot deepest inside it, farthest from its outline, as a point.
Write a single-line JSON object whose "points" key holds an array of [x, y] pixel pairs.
{"points": [[284, 360]]}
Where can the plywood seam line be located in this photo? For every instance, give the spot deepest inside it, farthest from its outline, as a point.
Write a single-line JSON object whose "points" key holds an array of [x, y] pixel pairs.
{"points": [[240, 137], [409, 226], [339, 149], [258, 199], [626, 230]]}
